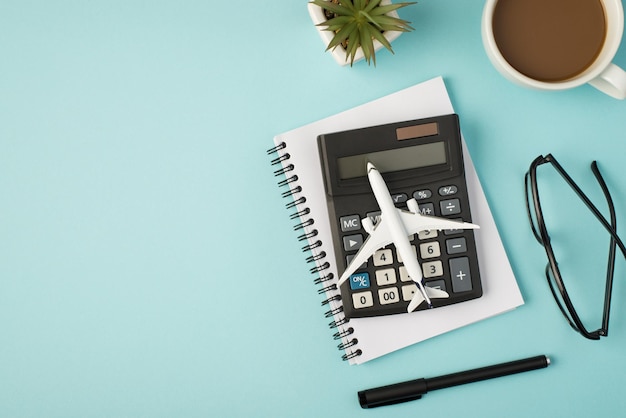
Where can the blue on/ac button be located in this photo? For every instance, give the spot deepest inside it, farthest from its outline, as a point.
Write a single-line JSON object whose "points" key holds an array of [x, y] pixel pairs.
{"points": [[360, 281]]}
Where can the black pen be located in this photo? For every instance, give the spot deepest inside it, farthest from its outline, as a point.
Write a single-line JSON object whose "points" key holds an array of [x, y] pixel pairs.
{"points": [[414, 389]]}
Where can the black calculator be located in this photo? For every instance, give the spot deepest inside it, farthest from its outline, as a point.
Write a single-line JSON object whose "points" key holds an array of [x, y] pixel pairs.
{"points": [[420, 159]]}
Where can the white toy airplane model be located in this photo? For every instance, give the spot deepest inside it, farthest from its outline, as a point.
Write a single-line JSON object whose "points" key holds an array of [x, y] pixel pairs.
{"points": [[395, 226]]}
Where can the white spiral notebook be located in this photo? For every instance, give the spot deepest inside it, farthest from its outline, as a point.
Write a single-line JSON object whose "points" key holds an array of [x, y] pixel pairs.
{"points": [[364, 339]]}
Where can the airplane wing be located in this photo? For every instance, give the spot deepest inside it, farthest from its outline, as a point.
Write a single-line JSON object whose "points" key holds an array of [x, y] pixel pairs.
{"points": [[416, 222], [379, 238]]}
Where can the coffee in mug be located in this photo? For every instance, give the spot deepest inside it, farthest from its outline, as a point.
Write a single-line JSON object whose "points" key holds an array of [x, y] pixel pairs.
{"points": [[556, 44]]}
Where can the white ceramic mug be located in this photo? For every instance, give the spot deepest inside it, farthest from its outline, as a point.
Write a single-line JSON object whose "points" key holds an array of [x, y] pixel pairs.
{"points": [[602, 73]]}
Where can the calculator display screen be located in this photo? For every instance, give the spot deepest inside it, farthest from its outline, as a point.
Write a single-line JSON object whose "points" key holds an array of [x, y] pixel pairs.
{"points": [[398, 159]]}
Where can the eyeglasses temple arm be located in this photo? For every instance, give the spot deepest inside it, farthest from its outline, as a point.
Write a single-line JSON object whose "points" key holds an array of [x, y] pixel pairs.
{"points": [[610, 229]]}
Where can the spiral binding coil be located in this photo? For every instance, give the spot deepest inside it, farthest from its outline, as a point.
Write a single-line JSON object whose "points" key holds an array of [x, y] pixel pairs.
{"points": [[344, 334]]}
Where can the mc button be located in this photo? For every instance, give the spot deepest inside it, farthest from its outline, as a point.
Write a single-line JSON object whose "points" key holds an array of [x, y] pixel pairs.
{"points": [[350, 223]]}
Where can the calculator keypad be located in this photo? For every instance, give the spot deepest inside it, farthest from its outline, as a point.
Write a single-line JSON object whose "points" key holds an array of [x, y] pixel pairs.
{"points": [[382, 286]]}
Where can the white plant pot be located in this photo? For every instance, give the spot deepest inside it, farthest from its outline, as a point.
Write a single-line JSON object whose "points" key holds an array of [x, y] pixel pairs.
{"points": [[339, 53]]}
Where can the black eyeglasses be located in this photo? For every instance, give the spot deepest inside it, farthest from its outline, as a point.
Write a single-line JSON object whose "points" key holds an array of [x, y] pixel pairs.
{"points": [[553, 274]]}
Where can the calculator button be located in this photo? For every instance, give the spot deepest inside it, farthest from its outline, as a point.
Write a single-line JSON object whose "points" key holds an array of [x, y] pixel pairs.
{"points": [[422, 194], [385, 277], [436, 284], [453, 231], [432, 269], [456, 245], [350, 223], [408, 291], [460, 274], [389, 295], [430, 250], [352, 242], [360, 281], [362, 300], [414, 254], [349, 260], [383, 257], [448, 190], [450, 207], [427, 234], [399, 198], [374, 216], [404, 275], [427, 209]]}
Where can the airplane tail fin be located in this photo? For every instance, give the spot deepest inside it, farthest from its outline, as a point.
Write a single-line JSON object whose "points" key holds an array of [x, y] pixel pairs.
{"points": [[417, 300], [432, 293], [436, 293]]}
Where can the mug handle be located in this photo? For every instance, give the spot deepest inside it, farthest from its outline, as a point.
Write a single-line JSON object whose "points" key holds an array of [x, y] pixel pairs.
{"points": [[611, 81]]}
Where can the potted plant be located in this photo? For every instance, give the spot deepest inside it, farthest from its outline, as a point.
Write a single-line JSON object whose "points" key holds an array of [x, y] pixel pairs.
{"points": [[356, 29]]}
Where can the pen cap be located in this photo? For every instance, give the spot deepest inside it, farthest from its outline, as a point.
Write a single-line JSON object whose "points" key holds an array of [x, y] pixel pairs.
{"points": [[392, 394]]}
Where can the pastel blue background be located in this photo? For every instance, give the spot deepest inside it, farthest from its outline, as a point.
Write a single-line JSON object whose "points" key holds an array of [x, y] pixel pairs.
{"points": [[148, 267]]}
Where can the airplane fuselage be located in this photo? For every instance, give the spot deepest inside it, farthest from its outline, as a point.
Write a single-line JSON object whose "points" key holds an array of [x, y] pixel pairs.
{"points": [[399, 234]]}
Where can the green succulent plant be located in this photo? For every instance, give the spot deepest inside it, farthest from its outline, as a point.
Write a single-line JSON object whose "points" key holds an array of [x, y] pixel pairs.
{"points": [[357, 23]]}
